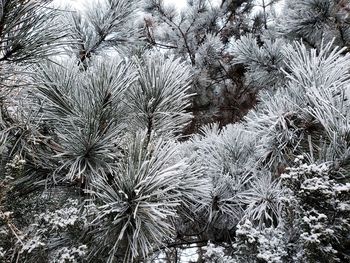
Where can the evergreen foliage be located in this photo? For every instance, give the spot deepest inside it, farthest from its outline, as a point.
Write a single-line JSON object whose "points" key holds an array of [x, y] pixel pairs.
{"points": [[315, 20], [201, 35], [222, 128]]}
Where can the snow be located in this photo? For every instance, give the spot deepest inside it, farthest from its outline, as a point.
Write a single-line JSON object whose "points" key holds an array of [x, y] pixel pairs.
{"points": [[342, 188]]}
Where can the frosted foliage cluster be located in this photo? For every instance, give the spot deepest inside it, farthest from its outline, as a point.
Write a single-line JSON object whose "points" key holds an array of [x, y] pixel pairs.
{"points": [[281, 160], [268, 244], [62, 218], [32, 244], [132, 132], [200, 34], [265, 63], [147, 190], [270, 247], [317, 233], [214, 253], [209, 51], [70, 254], [314, 20], [55, 226]]}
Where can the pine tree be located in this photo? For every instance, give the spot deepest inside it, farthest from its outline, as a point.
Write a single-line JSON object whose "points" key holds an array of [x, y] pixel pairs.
{"points": [[202, 34], [96, 165], [317, 20]]}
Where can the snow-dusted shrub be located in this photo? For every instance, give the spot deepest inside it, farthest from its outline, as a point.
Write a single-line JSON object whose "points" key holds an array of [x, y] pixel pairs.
{"points": [[254, 244], [216, 254], [43, 239], [317, 208], [69, 254]]}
